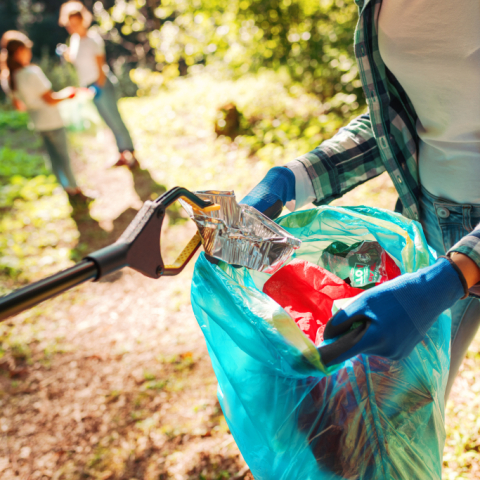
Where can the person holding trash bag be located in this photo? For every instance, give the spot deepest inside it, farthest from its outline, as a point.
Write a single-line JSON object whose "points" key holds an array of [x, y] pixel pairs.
{"points": [[87, 53], [30, 90], [420, 71]]}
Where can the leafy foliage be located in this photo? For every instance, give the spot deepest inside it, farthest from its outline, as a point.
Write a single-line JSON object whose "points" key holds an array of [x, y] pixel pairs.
{"points": [[310, 40], [35, 236], [20, 163], [35, 224], [278, 122], [61, 74], [12, 120]]}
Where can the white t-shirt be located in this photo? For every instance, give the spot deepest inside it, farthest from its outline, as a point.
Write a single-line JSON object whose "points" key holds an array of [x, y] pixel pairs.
{"points": [[30, 84], [83, 52], [433, 49]]}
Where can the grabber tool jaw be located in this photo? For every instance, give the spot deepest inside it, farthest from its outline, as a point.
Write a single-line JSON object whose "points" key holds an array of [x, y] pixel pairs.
{"points": [[139, 245], [138, 248]]}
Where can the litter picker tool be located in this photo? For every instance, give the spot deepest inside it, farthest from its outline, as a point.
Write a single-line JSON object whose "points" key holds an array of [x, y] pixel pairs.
{"points": [[138, 248]]}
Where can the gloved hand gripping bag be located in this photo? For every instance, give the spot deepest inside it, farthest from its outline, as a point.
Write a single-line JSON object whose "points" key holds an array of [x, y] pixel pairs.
{"points": [[291, 416]]}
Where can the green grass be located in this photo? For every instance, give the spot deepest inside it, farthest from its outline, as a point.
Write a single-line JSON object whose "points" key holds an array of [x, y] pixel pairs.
{"points": [[36, 231], [13, 120], [17, 161]]}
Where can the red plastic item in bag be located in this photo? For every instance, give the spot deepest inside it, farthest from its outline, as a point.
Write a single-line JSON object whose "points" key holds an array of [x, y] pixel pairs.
{"points": [[307, 291]]}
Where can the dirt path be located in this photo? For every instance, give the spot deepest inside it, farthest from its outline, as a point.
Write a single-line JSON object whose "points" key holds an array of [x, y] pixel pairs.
{"points": [[130, 392]]}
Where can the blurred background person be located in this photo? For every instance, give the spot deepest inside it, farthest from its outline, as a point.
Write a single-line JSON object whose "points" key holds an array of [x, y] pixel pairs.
{"points": [[87, 53], [30, 90]]}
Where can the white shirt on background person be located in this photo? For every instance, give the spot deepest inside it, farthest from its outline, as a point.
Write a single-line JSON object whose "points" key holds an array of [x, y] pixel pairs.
{"points": [[30, 84], [83, 52]]}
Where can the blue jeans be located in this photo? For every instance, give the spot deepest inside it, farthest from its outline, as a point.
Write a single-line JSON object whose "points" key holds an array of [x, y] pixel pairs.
{"points": [[106, 104], [444, 224], [56, 144]]}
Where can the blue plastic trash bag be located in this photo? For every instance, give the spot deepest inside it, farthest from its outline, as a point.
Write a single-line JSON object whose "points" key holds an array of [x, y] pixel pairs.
{"points": [[294, 418]]}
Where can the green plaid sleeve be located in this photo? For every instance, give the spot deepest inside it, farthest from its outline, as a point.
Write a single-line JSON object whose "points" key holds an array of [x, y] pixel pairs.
{"points": [[469, 245], [347, 160]]}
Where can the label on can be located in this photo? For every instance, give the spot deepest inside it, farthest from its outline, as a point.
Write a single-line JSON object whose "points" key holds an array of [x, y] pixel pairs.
{"points": [[362, 265]]}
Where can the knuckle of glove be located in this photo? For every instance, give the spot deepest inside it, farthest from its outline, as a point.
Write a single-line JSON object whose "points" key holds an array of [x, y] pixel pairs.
{"points": [[334, 327]]}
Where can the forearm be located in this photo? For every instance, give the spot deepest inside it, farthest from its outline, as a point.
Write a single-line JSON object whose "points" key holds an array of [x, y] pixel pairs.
{"points": [[304, 191], [53, 98], [469, 268], [466, 254]]}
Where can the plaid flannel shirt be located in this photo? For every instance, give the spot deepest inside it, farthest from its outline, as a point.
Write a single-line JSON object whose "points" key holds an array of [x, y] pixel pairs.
{"points": [[385, 139]]}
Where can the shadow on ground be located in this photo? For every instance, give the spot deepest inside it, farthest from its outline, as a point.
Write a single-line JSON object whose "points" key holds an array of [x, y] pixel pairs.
{"points": [[92, 235]]}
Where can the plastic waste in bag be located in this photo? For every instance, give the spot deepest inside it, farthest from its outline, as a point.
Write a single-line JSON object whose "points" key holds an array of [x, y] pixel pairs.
{"points": [[291, 416], [240, 234], [307, 292], [79, 113], [363, 264]]}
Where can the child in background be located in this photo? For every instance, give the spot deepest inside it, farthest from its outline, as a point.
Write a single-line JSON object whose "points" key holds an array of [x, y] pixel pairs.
{"points": [[87, 53], [30, 90]]}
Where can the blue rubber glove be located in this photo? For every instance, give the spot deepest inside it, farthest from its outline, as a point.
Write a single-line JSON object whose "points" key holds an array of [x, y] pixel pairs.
{"points": [[273, 192], [394, 316], [95, 89]]}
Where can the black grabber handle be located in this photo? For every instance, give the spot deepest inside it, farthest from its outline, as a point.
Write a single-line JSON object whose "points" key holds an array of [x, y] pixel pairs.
{"points": [[138, 247]]}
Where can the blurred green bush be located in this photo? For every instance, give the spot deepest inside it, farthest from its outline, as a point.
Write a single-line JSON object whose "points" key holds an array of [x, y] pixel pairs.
{"points": [[35, 223], [61, 73], [21, 163], [310, 40], [180, 137], [12, 120]]}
